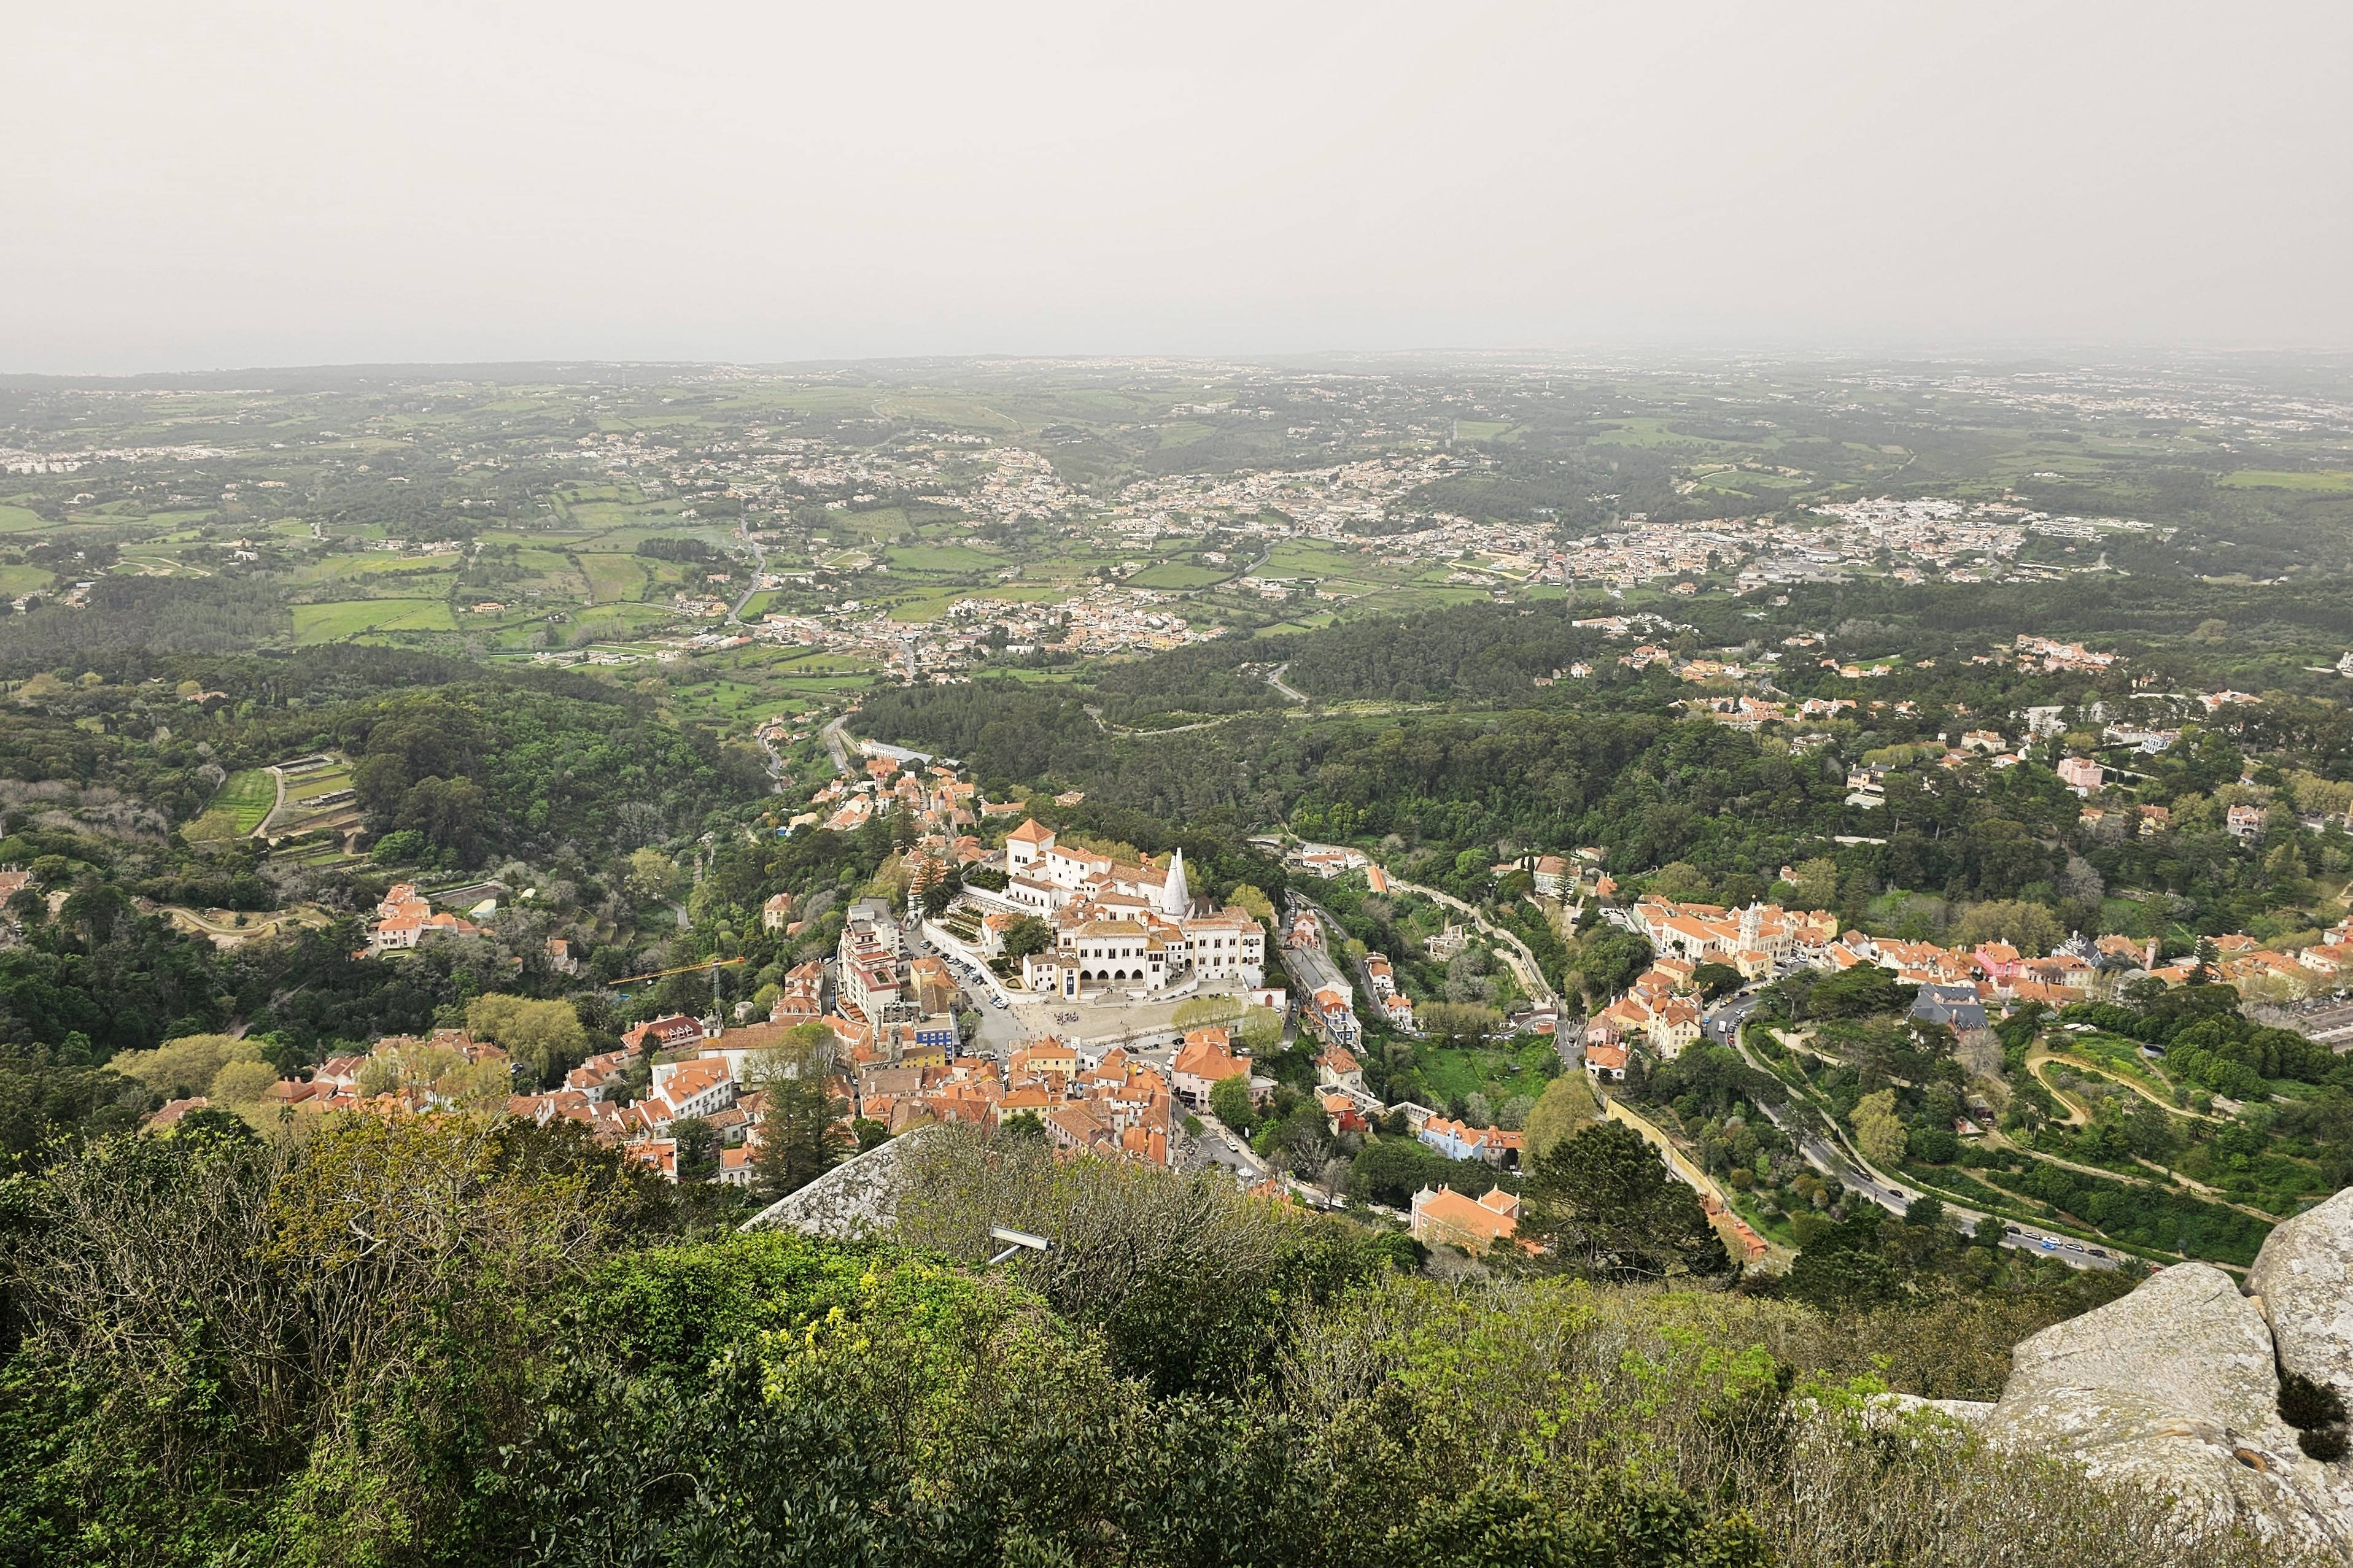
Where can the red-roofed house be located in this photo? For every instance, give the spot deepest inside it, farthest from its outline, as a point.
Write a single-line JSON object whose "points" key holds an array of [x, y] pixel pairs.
{"points": [[664, 1034], [1337, 1069], [1202, 1062], [1444, 1217]]}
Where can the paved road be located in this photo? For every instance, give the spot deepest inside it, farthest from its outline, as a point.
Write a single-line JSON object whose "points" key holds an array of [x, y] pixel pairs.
{"points": [[261, 828], [1275, 678], [837, 744], [1225, 1147], [1323, 970], [760, 560], [776, 770], [1001, 1032], [1841, 1160]]}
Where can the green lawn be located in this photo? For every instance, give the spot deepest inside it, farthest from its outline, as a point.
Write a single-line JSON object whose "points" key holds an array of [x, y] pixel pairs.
{"points": [[622, 621], [923, 605], [1499, 1075], [1647, 432], [304, 787], [942, 558], [1293, 558], [1734, 480], [374, 563]]}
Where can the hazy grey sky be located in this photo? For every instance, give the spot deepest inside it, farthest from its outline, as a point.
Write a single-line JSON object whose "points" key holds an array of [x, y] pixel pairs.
{"points": [[238, 183]]}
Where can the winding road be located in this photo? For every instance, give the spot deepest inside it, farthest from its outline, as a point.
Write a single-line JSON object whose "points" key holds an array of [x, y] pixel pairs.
{"points": [[2039, 1057], [1846, 1162], [1514, 952]]}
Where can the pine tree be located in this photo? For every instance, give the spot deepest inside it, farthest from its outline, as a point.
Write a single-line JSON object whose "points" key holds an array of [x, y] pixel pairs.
{"points": [[1602, 1205], [802, 1135]]}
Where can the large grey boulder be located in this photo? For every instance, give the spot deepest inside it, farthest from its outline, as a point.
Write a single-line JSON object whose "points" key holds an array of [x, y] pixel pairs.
{"points": [[2303, 1277], [2173, 1388], [2303, 1281], [855, 1199]]}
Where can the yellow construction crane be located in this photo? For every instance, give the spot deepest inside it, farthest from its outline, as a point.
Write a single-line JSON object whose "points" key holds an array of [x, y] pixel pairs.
{"points": [[681, 968]]}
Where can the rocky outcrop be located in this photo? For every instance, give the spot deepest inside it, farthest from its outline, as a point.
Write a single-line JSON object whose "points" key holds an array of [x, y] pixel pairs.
{"points": [[1890, 1408], [2304, 1279], [854, 1199], [2174, 1388]]}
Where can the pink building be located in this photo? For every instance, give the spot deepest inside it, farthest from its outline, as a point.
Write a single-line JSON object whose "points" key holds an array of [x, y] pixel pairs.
{"points": [[2082, 774]]}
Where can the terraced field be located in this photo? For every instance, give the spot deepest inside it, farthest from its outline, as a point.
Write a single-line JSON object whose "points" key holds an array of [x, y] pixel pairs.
{"points": [[245, 798]]}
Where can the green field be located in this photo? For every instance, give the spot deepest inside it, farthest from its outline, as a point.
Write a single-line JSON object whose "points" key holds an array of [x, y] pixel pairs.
{"points": [[1734, 481], [1291, 558], [373, 564], [308, 787], [18, 519], [1411, 597], [1647, 432], [245, 798], [1176, 575], [2338, 481], [1498, 1074], [941, 559], [623, 622], [614, 577], [922, 605], [16, 580], [350, 617]]}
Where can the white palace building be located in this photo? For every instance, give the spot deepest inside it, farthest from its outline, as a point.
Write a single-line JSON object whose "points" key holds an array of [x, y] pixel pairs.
{"points": [[1118, 926]]}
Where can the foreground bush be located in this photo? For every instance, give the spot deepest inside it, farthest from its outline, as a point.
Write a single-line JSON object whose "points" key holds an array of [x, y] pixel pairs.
{"points": [[457, 1342]]}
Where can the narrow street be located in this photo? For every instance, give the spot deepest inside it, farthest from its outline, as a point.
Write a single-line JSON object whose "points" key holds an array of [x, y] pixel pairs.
{"points": [[837, 743], [760, 564]]}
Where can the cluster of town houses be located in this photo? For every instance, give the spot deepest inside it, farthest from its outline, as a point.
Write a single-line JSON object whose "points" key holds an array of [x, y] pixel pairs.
{"points": [[933, 798], [1133, 930], [1658, 1013]]}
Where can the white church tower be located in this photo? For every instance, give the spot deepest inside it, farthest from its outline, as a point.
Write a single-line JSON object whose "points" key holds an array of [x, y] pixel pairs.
{"points": [[1174, 897]]}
